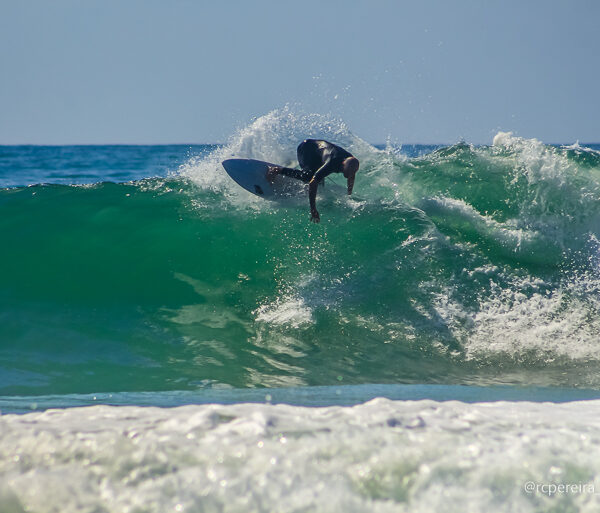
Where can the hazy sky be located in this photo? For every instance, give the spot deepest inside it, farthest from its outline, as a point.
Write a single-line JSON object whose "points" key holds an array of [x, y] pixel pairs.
{"points": [[149, 71]]}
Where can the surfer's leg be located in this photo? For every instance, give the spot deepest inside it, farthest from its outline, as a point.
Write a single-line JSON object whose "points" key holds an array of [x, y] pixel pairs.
{"points": [[304, 175], [299, 174]]}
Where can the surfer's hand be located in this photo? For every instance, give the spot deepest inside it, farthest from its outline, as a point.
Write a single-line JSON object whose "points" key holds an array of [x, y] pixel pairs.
{"points": [[314, 216]]}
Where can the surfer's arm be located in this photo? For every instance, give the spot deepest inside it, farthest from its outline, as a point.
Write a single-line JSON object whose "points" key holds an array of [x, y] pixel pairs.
{"points": [[325, 170], [312, 198]]}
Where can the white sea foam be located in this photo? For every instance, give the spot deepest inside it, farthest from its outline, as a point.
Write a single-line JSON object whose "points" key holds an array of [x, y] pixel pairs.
{"points": [[383, 456], [528, 318], [288, 311]]}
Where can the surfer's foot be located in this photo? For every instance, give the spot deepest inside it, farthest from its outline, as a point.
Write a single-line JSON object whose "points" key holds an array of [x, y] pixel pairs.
{"points": [[272, 172]]}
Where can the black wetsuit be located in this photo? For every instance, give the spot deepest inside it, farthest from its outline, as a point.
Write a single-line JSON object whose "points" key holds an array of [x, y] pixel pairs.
{"points": [[317, 159]]}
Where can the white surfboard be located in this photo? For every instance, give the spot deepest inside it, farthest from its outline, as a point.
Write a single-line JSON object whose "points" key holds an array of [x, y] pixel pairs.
{"points": [[252, 175]]}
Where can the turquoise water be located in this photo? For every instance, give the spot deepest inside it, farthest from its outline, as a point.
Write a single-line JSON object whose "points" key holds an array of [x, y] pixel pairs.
{"points": [[324, 396], [146, 269]]}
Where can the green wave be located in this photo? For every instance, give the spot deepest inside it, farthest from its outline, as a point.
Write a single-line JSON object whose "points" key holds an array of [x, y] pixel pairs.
{"points": [[468, 265]]}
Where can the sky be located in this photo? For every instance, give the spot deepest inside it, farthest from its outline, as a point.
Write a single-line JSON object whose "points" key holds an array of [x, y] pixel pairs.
{"points": [[195, 71]]}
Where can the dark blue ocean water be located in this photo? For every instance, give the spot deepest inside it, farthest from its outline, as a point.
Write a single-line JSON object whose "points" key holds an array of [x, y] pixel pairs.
{"points": [[29, 165], [81, 164]]}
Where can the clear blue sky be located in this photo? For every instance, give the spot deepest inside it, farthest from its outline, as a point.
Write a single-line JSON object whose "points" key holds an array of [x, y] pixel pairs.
{"points": [[149, 71]]}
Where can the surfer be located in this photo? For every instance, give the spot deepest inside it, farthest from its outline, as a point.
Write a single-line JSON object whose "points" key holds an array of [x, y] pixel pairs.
{"points": [[318, 159]]}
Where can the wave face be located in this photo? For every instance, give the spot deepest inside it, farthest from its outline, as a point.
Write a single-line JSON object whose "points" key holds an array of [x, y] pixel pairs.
{"points": [[472, 265]]}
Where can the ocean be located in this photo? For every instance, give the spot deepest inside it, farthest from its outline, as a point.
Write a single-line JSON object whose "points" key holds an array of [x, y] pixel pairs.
{"points": [[170, 342]]}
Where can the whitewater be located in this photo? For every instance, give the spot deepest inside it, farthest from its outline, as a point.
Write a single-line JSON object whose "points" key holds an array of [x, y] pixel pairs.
{"points": [[170, 342]]}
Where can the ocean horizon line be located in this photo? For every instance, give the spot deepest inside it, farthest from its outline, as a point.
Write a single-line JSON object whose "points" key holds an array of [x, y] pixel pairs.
{"points": [[375, 144]]}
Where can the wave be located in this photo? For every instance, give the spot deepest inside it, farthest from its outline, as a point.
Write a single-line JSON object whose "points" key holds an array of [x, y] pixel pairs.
{"points": [[465, 265]]}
